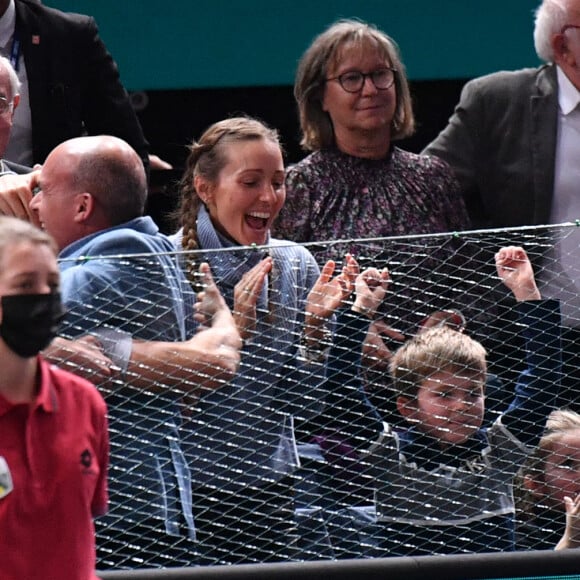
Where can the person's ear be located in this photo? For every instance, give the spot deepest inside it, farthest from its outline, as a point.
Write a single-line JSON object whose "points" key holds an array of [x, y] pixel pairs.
{"points": [[84, 207], [562, 53], [407, 407], [203, 189], [15, 103]]}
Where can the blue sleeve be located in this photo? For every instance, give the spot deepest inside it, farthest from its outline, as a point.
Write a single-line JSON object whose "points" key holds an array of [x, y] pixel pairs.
{"points": [[538, 386], [89, 300]]}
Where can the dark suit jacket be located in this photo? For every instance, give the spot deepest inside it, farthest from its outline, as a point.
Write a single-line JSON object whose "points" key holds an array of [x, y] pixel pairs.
{"points": [[501, 141], [74, 83], [15, 167]]}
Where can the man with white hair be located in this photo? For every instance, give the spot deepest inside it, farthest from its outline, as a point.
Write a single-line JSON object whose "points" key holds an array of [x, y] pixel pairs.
{"points": [[9, 100], [514, 143], [9, 97], [15, 190], [70, 82]]}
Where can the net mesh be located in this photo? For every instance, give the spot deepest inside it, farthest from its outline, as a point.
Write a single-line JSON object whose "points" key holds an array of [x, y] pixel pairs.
{"points": [[280, 463]]}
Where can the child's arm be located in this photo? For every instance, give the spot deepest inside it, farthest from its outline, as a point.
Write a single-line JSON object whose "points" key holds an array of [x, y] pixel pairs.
{"points": [[352, 414], [515, 269], [571, 537], [538, 386]]}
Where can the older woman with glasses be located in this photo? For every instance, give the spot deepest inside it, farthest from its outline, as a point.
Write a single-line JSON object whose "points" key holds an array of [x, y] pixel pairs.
{"points": [[354, 101]]}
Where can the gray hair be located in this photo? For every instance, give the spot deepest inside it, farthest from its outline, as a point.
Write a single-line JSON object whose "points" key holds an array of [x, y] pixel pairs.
{"points": [[12, 76], [551, 16]]}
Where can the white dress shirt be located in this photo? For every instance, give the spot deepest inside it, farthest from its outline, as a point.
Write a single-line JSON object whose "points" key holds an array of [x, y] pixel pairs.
{"points": [[562, 276]]}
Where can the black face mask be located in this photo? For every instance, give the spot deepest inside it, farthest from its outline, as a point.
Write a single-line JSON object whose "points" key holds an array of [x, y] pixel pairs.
{"points": [[30, 322]]}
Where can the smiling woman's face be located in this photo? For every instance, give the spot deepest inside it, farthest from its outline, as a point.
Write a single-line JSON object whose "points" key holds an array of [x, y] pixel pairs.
{"points": [[369, 109], [249, 192]]}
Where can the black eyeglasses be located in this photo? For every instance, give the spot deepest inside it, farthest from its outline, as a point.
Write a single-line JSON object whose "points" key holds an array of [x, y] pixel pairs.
{"points": [[568, 27], [354, 80], [5, 105]]}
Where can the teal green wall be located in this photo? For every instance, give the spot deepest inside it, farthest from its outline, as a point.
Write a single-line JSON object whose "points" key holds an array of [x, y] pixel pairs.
{"points": [[175, 44]]}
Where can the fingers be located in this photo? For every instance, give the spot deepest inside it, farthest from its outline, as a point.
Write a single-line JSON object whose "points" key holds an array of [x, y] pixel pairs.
{"points": [[510, 254], [91, 341], [374, 281], [376, 353], [205, 272], [350, 268], [350, 271], [327, 271], [572, 505], [252, 282], [371, 288], [381, 327], [86, 353], [210, 287], [452, 318], [16, 194], [246, 294], [158, 164], [209, 302], [375, 278]]}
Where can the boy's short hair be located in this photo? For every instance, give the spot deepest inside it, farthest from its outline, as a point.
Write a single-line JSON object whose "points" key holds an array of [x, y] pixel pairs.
{"points": [[432, 351]]}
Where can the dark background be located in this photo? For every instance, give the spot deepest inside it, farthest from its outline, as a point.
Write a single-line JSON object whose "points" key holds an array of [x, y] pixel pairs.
{"points": [[171, 118]]}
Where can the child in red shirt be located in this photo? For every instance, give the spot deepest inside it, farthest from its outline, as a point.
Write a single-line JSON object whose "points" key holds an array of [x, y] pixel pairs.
{"points": [[54, 442]]}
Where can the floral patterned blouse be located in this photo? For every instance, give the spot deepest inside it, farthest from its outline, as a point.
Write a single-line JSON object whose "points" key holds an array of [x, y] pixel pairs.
{"points": [[332, 196]]}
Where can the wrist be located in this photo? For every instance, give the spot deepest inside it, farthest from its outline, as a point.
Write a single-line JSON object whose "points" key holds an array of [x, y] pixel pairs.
{"points": [[364, 310], [527, 294], [314, 347], [314, 321]]}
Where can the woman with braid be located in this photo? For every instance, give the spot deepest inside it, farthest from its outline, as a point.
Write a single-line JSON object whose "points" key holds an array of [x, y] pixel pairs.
{"points": [[240, 439]]}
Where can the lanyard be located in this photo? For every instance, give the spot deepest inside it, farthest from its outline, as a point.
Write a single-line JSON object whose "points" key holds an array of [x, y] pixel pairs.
{"points": [[15, 50]]}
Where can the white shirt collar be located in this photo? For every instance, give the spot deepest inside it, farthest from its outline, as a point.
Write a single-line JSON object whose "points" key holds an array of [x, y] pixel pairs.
{"points": [[7, 23], [568, 94]]}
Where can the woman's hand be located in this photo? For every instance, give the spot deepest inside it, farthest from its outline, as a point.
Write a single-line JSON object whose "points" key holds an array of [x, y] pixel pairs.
{"points": [[330, 293], [209, 302], [246, 294]]}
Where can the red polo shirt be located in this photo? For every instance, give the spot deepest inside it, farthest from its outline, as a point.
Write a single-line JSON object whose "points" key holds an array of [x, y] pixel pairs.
{"points": [[56, 450]]}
